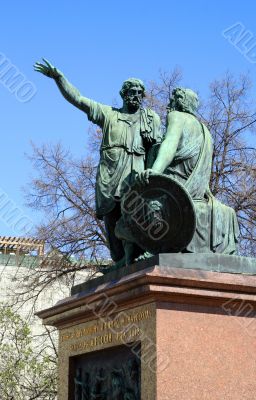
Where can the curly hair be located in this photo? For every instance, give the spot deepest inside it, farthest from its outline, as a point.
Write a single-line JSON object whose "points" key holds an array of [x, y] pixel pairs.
{"points": [[189, 102], [129, 83]]}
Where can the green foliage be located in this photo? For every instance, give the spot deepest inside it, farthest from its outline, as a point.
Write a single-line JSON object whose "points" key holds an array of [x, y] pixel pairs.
{"points": [[26, 373]]}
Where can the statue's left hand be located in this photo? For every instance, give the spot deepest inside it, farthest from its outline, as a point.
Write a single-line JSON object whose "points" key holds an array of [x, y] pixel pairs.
{"points": [[143, 177]]}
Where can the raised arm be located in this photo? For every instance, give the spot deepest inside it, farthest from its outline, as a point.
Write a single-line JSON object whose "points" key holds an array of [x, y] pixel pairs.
{"points": [[70, 93]]}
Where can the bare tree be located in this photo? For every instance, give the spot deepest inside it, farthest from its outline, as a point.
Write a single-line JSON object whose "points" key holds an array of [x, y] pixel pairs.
{"points": [[159, 92], [64, 192], [231, 118]]}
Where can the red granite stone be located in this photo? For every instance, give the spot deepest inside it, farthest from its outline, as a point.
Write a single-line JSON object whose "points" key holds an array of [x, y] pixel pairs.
{"points": [[202, 327], [211, 355]]}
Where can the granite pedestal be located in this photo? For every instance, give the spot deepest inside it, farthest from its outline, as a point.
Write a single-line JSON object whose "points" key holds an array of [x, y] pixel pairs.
{"points": [[177, 326]]}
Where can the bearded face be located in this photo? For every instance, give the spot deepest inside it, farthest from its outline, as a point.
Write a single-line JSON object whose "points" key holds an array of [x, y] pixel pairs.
{"points": [[133, 98], [178, 101]]}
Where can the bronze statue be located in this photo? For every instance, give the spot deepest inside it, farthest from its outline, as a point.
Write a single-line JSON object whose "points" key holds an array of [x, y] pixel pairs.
{"points": [[128, 134], [154, 197]]}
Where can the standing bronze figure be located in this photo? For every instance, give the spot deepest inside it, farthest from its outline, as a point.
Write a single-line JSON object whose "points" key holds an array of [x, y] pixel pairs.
{"points": [[128, 134]]}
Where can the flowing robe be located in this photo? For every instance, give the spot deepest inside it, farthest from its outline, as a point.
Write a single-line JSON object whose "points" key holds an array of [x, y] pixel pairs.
{"points": [[123, 150], [216, 224]]}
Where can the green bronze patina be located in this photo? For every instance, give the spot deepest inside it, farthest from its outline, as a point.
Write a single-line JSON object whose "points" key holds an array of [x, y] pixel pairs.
{"points": [[128, 134], [131, 154], [186, 155], [160, 216]]}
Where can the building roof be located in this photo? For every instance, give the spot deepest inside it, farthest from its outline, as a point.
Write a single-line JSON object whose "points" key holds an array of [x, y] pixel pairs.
{"points": [[21, 245]]}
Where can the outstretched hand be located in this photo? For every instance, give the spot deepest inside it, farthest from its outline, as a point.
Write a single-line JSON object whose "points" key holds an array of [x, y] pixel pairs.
{"points": [[143, 177], [47, 69]]}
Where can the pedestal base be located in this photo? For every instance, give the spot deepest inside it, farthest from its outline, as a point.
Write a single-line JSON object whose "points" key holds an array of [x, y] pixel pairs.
{"points": [[158, 333]]}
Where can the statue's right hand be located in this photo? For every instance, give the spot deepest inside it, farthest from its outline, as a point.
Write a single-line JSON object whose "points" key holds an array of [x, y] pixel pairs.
{"points": [[143, 177], [47, 69]]}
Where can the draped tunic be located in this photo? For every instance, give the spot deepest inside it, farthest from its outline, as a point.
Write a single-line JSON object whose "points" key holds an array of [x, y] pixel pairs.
{"points": [[216, 224], [123, 150]]}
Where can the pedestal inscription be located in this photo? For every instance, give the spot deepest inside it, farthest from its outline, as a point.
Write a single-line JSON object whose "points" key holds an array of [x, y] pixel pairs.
{"points": [[112, 356], [122, 328]]}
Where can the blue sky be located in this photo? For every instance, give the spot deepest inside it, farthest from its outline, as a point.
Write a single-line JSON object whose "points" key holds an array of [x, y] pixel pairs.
{"points": [[98, 45]]}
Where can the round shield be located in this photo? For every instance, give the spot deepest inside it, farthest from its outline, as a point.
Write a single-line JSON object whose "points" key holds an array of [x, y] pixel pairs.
{"points": [[159, 216]]}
